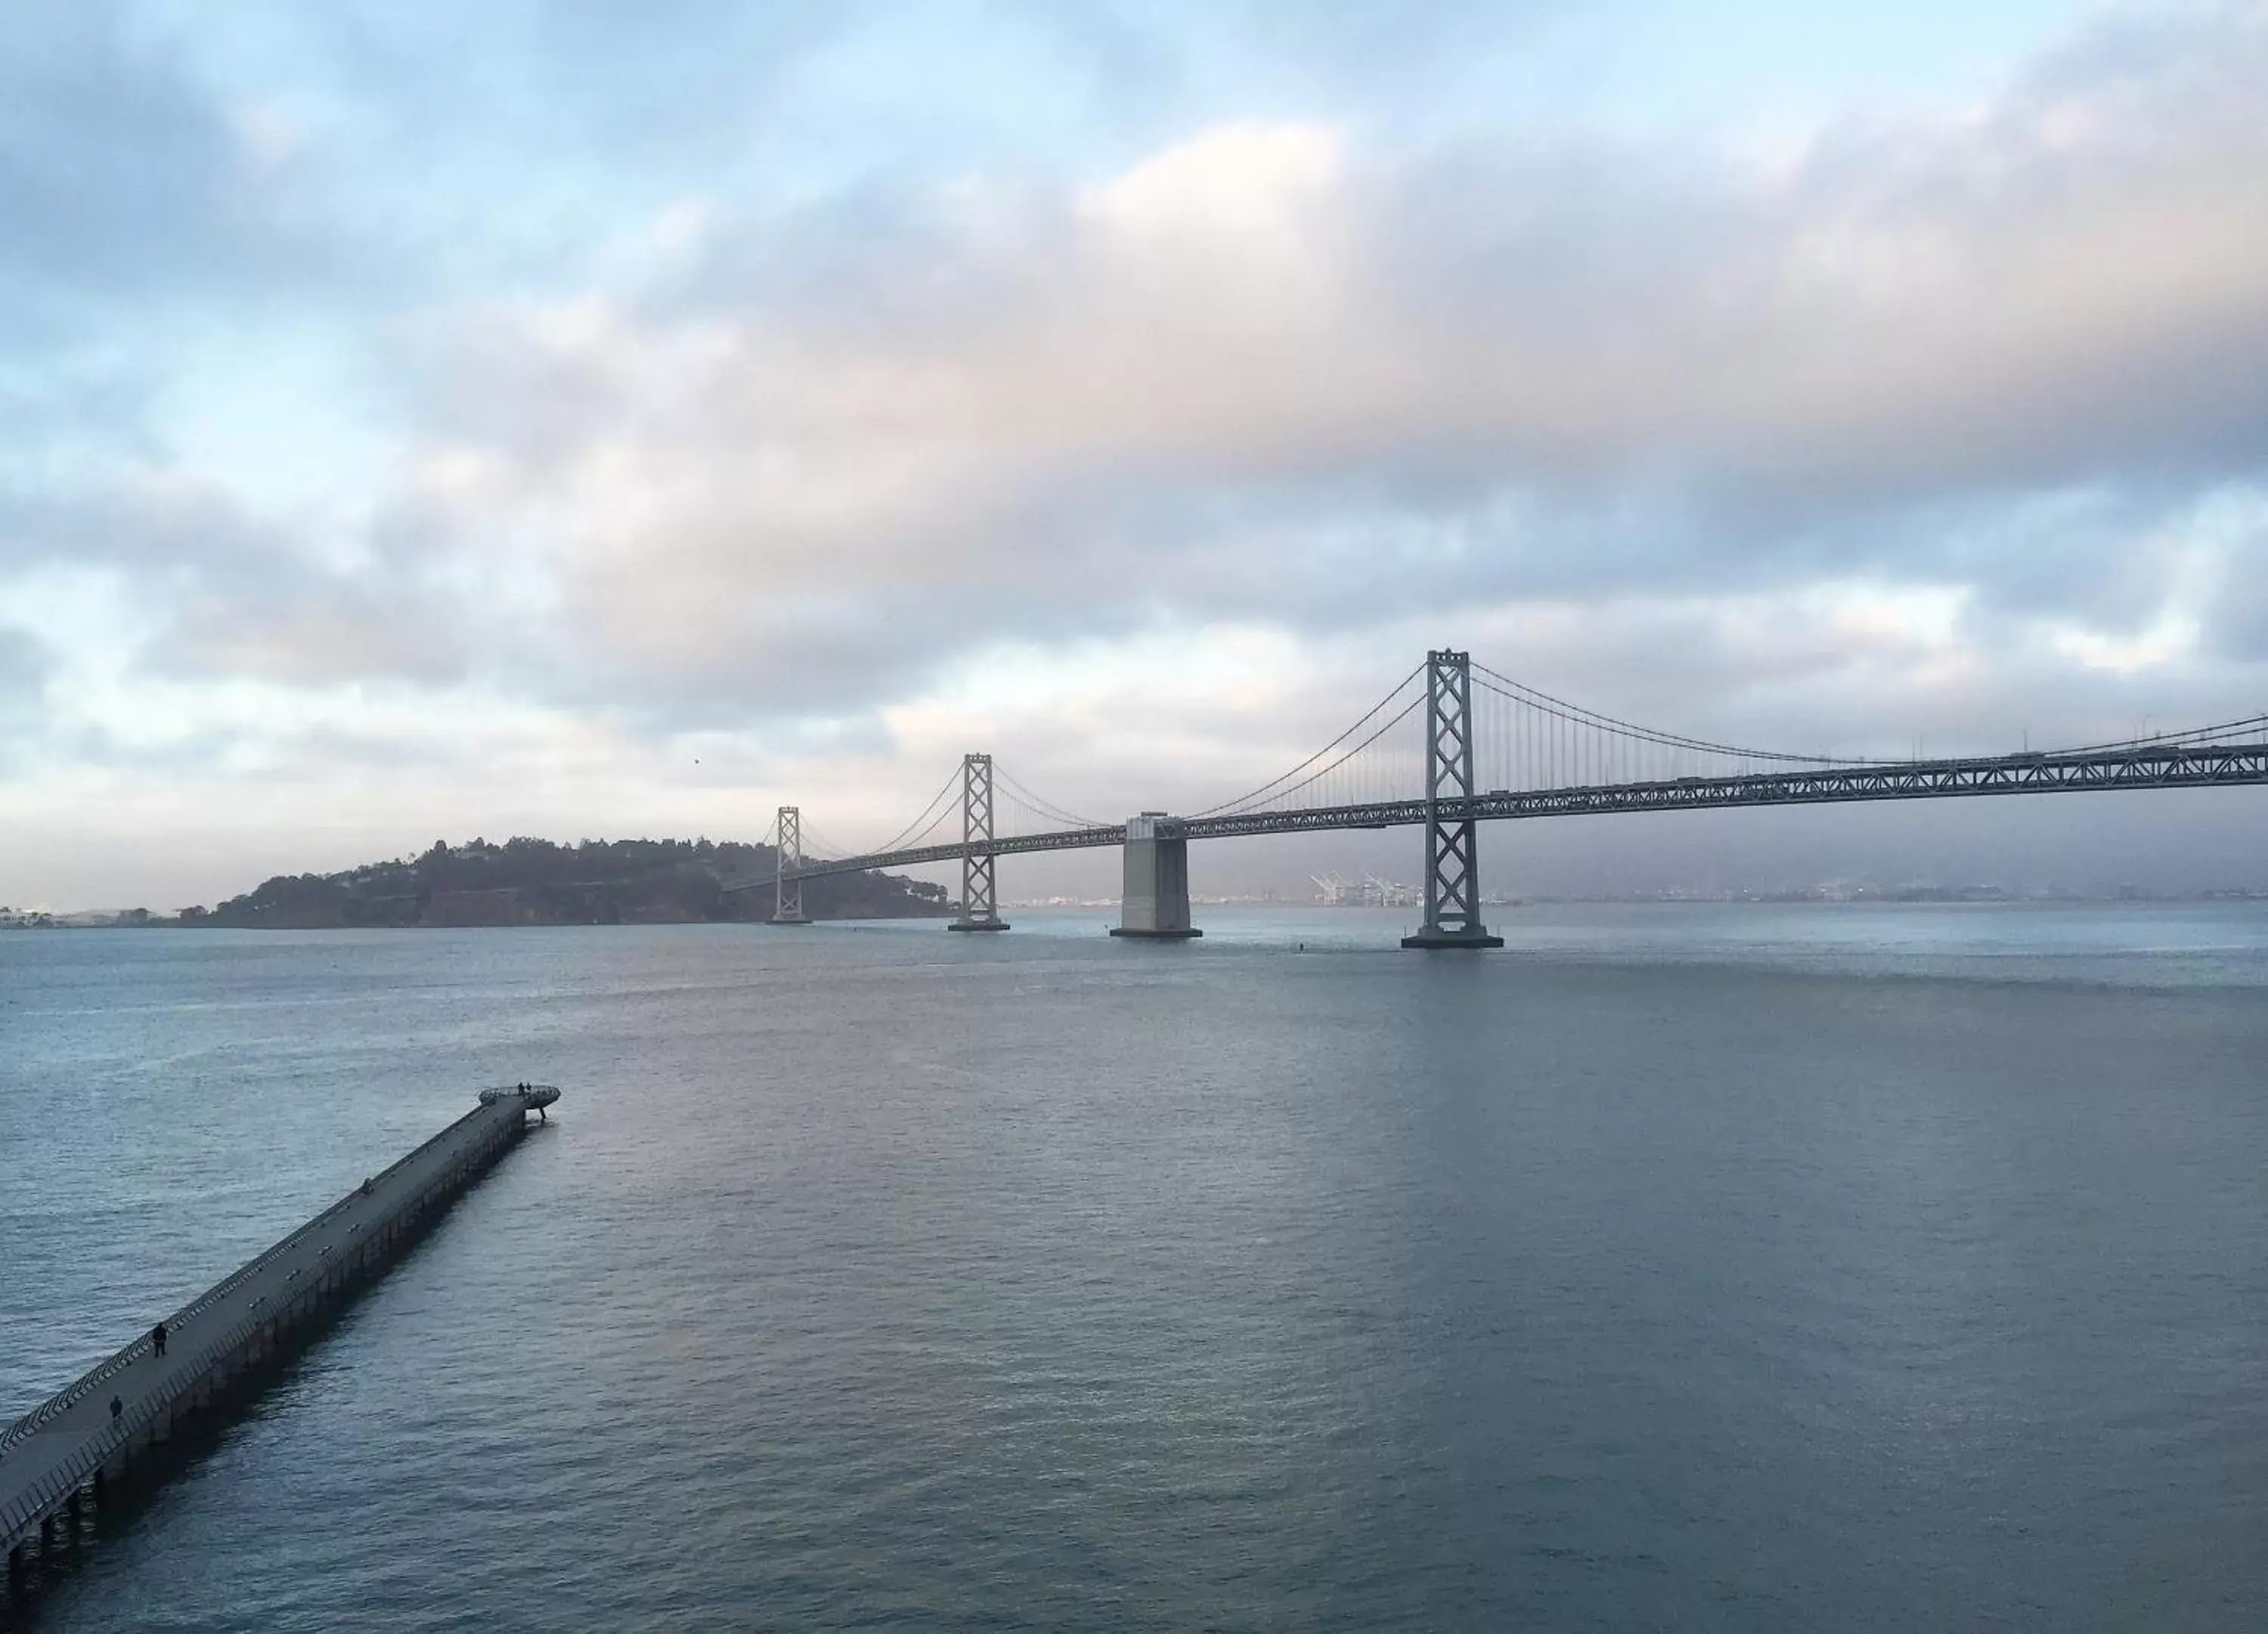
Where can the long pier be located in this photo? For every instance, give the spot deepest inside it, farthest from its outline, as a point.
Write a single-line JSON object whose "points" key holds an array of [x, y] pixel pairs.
{"points": [[65, 1457]]}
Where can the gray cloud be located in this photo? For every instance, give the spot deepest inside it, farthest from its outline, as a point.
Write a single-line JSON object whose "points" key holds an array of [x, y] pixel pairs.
{"points": [[122, 177], [238, 594], [25, 665], [1269, 376], [1277, 375], [144, 520], [318, 633], [2074, 281]]}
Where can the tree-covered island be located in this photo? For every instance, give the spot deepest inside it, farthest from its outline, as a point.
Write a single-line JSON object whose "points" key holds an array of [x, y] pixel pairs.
{"points": [[528, 881]]}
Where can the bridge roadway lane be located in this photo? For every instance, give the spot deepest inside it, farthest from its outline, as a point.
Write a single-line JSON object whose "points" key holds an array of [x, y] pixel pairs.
{"points": [[2071, 772], [50, 1450]]}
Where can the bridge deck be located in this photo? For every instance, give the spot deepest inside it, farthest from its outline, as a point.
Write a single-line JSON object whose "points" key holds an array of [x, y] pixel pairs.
{"points": [[2171, 766], [46, 1455]]}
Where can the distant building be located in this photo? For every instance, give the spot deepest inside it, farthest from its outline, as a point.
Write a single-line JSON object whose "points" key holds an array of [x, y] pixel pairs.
{"points": [[1370, 891]]}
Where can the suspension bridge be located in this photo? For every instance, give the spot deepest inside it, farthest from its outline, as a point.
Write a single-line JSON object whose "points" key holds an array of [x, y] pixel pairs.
{"points": [[1454, 745]]}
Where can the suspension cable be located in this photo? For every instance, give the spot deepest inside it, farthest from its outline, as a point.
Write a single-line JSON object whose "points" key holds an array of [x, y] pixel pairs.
{"points": [[2192, 735], [1321, 772], [1039, 807], [916, 828], [830, 846], [1576, 715], [1268, 789], [906, 842], [911, 839]]}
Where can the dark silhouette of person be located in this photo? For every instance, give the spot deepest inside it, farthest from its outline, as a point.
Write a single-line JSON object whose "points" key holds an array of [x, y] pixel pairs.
{"points": [[116, 1408], [157, 1340]]}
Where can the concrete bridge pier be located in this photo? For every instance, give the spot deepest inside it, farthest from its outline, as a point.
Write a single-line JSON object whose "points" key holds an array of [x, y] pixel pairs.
{"points": [[1155, 901]]}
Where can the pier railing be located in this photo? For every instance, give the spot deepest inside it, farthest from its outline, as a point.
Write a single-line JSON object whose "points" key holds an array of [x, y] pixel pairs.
{"points": [[71, 1395], [68, 1438], [41, 1496]]}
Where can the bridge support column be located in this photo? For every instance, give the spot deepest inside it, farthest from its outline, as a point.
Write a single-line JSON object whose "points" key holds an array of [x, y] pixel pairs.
{"points": [[1155, 905], [979, 904], [1453, 864], [787, 895]]}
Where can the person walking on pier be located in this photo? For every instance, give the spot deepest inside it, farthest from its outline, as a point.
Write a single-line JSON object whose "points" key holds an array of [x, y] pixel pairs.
{"points": [[116, 1408], [157, 1340]]}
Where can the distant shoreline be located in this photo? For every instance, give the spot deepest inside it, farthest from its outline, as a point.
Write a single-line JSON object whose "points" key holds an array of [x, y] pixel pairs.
{"points": [[527, 881], [135, 919], [80, 920]]}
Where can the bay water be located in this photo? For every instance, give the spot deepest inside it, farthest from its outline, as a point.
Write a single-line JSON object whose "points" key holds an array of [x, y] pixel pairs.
{"points": [[1692, 1267]]}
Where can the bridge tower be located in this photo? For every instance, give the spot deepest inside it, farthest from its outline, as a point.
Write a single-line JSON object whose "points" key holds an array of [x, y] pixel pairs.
{"points": [[979, 905], [787, 895], [1453, 872]]}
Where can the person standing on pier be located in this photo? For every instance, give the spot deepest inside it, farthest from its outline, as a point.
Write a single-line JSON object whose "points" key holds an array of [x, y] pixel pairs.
{"points": [[157, 1340]]}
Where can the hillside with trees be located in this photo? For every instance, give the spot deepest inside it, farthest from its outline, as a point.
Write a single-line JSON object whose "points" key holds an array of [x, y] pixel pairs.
{"points": [[528, 881]]}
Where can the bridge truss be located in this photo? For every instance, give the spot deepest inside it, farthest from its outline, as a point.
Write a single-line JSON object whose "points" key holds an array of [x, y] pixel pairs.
{"points": [[2037, 773], [1491, 749], [787, 867]]}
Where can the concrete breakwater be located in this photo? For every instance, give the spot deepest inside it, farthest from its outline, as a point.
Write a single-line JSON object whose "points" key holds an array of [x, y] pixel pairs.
{"points": [[65, 1457]]}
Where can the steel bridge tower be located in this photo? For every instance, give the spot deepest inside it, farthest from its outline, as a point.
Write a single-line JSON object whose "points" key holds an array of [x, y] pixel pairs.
{"points": [[979, 906], [1453, 864], [787, 895]]}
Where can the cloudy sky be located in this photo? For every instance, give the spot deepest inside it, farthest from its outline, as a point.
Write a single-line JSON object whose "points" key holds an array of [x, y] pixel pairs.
{"points": [[581, 419]]}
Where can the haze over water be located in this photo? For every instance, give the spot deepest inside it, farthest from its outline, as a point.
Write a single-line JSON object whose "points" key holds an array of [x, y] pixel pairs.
{"points": [[1700, 1267]]}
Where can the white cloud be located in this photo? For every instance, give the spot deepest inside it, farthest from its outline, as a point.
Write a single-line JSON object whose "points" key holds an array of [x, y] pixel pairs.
{"points": [[1143, 401], [1180, 463]]}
